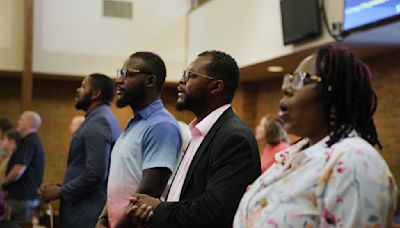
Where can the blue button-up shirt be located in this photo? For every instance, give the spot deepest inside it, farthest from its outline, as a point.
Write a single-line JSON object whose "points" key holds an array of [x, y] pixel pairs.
{"points": [[152, 139]]}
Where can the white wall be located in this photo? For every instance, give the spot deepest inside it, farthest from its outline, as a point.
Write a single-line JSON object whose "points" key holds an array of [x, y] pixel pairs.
{"points": [[11, 35], [249, 30], [73, 37]]}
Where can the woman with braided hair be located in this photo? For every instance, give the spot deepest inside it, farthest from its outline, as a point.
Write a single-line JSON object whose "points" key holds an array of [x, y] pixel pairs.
{"points": [[333, 176]]}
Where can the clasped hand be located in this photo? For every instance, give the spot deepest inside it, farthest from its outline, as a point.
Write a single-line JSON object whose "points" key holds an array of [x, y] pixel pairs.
{"points": [[49, 192], [139, 211]]}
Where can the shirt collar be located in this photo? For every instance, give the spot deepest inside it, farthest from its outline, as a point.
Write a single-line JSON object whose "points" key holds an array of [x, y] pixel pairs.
{"points": [[317, 147], [203, 127], [311, 151], [97, 110], [286, 155], [150, 109]]}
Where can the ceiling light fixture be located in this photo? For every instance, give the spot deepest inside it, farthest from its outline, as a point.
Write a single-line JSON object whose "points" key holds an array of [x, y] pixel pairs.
{"points": [[275, 69]]}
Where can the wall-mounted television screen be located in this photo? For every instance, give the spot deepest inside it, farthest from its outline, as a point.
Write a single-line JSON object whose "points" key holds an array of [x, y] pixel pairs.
{"points": [[361, 14], [300, 20]]}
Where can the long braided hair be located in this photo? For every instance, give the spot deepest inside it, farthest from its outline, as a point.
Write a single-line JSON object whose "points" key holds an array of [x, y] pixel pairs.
{"points": [[347, 96]]}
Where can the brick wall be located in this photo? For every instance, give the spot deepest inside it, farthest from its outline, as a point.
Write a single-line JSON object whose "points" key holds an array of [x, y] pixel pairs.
{"points": [[386, 82], [54, 101]]}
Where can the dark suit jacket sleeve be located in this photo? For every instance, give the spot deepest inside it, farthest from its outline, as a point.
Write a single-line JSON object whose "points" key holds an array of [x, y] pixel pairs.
{"points": [[97, 140], [235, 165]]}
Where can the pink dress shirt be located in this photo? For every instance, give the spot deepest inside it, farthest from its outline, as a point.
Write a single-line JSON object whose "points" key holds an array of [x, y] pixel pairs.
{"points": [[199, 130]]}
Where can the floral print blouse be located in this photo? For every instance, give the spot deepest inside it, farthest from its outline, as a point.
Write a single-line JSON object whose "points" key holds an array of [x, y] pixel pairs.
{"points": [[346, 185]]}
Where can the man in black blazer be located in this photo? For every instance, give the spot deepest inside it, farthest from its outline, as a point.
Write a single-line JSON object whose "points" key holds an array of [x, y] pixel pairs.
{"points": [[221, 160]]}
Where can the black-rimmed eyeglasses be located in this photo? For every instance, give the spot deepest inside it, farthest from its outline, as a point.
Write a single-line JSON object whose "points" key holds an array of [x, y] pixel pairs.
{"points": [[187, 74]]}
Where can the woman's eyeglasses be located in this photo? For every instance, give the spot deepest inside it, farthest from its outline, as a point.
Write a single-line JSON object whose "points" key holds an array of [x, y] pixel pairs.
{"points": [[300, 79]]}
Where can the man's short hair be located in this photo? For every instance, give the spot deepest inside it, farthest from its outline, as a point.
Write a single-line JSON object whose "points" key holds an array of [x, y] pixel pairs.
{"points": [[224, 67], [34, 118], [155, 65], [105, 84]]}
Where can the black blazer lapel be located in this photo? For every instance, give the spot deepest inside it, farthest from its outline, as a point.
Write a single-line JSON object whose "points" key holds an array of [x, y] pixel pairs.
{"points": [[204, 145]]}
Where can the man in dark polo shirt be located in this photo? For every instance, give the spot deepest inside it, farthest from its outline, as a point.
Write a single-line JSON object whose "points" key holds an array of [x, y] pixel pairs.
{"points": [[25, 169]]}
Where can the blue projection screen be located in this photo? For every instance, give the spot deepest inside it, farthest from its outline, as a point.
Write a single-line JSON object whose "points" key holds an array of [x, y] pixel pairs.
{"points": [[358, 13]]}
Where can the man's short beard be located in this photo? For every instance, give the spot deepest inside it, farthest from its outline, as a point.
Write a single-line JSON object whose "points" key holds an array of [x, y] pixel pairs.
{"points": [[189, 103], [133, 97], [85, 103], [181, 106], [123, 101]]}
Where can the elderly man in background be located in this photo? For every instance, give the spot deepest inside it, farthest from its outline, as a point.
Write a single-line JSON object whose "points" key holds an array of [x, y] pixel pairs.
{"points": [[24, 173]]}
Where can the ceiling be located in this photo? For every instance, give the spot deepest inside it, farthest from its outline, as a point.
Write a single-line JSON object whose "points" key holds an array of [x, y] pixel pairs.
{"points": [[366, 44]]}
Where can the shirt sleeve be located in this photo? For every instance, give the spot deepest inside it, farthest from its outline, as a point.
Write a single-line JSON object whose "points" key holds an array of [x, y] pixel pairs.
{"points": [[359, 191], [24, 154], [161, 146], [98, 140]]}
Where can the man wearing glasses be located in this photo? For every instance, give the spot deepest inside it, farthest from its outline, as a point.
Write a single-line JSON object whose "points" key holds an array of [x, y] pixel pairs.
{"points": [[221, 160], [147, 152]]}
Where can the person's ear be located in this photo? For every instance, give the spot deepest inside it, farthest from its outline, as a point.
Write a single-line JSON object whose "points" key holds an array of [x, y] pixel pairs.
{"points": [[151, 81], [216, 87], [96, 94]]}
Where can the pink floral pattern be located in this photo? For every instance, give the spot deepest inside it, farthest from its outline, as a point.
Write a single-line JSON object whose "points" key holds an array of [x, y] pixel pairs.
{"points": [[346, 185]]}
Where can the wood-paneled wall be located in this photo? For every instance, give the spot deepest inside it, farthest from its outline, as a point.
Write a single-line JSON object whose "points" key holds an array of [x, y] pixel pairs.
{"points": [[53, 99]]}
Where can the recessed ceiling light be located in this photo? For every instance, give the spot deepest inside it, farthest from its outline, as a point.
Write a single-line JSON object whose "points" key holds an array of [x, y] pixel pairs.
{"points": [[275, 69]]}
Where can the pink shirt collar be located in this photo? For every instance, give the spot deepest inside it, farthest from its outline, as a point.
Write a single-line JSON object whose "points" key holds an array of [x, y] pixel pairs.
{"points": [[203, 127]]}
